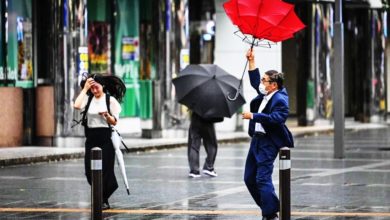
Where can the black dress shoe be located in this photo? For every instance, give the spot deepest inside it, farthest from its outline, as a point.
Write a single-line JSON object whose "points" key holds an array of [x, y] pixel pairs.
{"points": [[105, 206]]}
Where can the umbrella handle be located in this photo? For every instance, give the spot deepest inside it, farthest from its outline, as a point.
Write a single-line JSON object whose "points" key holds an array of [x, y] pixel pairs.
{"points": [[235, 96]]}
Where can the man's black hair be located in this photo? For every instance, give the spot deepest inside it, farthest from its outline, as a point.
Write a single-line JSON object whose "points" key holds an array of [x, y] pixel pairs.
{"points": [[275, 76]]}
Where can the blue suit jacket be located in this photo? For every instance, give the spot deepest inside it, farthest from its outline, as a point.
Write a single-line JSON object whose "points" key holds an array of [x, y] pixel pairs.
{"points": [[273, 116]]}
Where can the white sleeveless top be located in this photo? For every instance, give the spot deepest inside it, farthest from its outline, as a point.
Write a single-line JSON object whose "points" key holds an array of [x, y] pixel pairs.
{"points": [[99, 105]]}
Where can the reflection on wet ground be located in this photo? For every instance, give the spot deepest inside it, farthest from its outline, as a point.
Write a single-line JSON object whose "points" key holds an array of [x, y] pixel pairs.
{"points": [[357, 187]]}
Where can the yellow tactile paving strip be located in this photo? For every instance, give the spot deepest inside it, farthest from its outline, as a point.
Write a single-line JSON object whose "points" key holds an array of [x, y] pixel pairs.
{"points": [[193, 212]]}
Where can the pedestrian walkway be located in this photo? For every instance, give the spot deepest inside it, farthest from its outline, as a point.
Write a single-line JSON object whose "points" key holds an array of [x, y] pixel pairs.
{"points": [[322, 187], [171, 139]]}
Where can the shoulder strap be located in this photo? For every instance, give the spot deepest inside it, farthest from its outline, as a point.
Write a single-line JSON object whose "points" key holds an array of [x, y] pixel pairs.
{"points": [[83, 119], [108, 103], [108, 106]]}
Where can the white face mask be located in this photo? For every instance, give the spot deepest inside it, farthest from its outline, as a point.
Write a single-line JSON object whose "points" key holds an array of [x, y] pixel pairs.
{"points": [[262, 89]]}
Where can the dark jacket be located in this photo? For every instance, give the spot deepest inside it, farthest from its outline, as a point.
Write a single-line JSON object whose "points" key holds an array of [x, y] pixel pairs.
{"points": [[273, 116], [206, 120]]}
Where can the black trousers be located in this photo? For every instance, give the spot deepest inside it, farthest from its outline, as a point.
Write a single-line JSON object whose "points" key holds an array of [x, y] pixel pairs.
{"points": [[101, 137], [200, 129]]}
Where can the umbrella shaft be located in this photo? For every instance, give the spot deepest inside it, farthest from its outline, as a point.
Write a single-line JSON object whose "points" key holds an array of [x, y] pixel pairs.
{"points": [[246, 64], [239, 85]]}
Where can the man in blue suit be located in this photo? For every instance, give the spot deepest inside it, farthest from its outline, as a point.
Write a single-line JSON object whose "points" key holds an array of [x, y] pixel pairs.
{"points": [[268, 114]]}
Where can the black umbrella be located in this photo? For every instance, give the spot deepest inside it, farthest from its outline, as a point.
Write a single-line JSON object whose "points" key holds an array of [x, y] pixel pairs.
{"points": [[205, 88]]}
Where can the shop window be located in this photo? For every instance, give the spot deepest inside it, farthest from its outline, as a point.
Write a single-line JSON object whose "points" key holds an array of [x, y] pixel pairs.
{"points": [[44, 33], [19, 45]]}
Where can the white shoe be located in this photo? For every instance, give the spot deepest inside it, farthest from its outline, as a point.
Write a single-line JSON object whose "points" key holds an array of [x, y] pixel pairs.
{"points": [[194, 175], [211, 173]]}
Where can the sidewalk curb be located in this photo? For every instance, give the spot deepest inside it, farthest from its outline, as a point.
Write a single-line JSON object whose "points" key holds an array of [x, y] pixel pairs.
{"points": [[39, 159]]}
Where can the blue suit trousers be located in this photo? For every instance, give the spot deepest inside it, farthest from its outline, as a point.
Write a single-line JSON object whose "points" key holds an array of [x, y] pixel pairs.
{"points": [[258, 174]]}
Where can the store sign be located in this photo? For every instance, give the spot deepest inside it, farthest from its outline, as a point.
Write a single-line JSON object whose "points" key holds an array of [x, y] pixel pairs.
{"points": [[184, 58], [130, 49], [83, 60], [11, 75], [127, 70], [82, 65]]}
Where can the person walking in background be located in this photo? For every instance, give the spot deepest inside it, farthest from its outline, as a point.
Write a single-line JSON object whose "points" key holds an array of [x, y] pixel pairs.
{"points": [[102, 111], [268, 114], [202, 128]]}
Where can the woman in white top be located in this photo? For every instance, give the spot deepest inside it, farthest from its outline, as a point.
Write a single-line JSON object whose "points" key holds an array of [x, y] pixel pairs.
{"points": [[97, 127]]}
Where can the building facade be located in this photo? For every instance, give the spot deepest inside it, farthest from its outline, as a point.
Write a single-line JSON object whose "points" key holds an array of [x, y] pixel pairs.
{"points": [[310, 57], [48, 46]]}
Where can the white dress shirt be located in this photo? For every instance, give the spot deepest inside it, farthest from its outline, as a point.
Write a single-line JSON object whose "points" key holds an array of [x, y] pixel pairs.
{"points": [[266, 98]]}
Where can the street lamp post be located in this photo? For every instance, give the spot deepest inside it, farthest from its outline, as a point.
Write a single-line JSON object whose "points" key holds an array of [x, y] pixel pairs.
{"points": [[338, 84]]}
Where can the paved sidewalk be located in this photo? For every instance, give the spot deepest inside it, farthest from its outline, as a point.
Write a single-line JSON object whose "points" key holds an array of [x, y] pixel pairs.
{"points": [[171, 139]]}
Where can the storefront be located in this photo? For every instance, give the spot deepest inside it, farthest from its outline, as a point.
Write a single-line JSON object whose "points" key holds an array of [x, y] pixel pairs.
{"points": [[17, 78], [46, 47], [365, 64], [114, 48], [138, 42], [365, 32]]}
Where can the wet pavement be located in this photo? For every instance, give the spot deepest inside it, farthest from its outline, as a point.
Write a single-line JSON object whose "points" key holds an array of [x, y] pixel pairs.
{"points": [[357, 187]]}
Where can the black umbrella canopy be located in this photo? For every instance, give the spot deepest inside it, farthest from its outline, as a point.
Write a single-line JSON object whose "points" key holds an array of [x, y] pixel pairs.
{"points": [[205, 88]]}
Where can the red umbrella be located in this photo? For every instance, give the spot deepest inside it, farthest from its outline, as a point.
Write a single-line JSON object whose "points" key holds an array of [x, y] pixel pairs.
{"points": [[272, 20]]}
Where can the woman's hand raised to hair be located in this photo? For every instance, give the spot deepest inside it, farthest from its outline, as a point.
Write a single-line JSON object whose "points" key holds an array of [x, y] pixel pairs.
{"points": [[88, 84], [79, 100]]}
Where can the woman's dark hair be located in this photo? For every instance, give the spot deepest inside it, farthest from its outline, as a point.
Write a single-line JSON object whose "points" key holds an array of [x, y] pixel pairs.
{"points": [[112, 85], [275, 76]]}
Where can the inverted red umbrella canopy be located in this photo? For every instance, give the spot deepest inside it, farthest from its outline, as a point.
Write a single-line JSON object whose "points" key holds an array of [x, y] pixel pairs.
{"points": [[272, 20]]}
